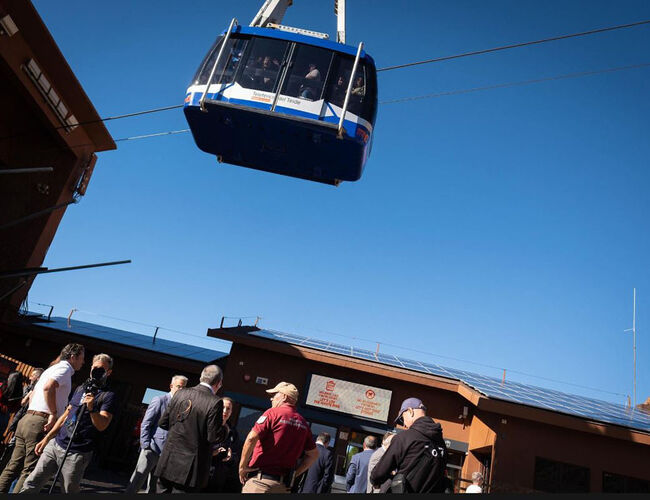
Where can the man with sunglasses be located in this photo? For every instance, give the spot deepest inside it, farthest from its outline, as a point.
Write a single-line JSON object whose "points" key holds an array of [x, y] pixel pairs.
{"points": [[418, 454]]}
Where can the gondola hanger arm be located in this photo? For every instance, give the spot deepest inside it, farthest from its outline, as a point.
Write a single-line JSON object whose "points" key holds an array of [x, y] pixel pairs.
{"points": [[272, 12]]}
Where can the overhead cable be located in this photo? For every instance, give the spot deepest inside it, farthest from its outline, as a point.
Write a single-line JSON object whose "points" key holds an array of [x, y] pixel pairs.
{"points": [[515, 84], [389, 68], [514, 46], [157, 134], [447, 93]]}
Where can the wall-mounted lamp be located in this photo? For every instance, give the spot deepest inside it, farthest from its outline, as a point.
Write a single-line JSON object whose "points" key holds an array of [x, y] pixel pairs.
{"points": [[8, 26], [42, 83]]}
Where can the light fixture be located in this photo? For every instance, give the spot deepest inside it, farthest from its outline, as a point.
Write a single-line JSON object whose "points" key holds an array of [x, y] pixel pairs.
{"points": [[45, 87], [8, 26]]}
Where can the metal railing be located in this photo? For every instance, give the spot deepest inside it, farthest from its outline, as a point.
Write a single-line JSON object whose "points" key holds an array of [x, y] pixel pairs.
{"points": [[216, 63], [349, 91]]}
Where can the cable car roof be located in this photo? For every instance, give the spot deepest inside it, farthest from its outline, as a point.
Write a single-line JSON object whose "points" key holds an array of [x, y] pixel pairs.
{"points": [[298, 38]]}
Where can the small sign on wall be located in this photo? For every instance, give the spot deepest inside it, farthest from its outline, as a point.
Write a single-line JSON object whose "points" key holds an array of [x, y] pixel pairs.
{"points": [[262, 381], [348, 397]]}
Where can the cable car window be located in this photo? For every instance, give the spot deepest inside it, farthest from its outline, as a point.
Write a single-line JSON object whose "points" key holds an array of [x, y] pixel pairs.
{"points": [[202, 75], [227, 67], [307, 72], [263, 64], [231, 57], [363, 94]]}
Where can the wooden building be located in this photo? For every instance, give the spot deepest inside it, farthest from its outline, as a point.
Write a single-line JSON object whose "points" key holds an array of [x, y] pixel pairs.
{"points": [[522, 438], [141, 362], [49, 134]]}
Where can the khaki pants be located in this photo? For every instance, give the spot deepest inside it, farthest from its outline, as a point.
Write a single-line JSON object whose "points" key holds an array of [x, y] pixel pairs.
{"points": [[256, 485], [23, 459]]}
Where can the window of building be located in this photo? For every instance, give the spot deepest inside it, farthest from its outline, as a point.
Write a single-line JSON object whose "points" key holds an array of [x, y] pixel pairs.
{"points": [[316, 429], [245, 421], [455, 460], [615, 483], [560, 477], [149, 394]]}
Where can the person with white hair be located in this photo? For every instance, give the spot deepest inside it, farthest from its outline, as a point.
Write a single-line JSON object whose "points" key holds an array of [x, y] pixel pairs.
{"points": [[152, 439], [194, 419], [477, 480]]}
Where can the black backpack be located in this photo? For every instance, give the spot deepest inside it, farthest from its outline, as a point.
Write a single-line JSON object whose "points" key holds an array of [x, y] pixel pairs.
{"points": [[420, 479]]}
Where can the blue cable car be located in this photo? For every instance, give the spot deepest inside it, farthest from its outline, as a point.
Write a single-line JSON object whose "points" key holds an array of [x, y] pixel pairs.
{"points": [[286, 103]]}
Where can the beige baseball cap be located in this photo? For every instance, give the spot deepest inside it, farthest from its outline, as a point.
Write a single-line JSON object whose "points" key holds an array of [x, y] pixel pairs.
{"points": [[285, 388]]}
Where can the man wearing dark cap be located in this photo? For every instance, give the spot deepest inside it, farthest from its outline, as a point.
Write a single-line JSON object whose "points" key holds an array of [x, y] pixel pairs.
{"points": [[269, 458], [419, 453]]}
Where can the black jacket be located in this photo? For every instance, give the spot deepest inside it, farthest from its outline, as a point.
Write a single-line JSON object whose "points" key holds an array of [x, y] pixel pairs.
{"points": [[194, 421], [321, 473], [406, 452]]}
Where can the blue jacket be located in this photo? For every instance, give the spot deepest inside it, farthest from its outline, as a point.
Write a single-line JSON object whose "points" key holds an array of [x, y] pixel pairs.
{"points": [[321, 474], [152, 436], [356, 480]]}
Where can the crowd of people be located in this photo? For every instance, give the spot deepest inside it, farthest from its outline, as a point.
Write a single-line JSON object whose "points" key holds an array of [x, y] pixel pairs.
{"points": [[187, 443]]}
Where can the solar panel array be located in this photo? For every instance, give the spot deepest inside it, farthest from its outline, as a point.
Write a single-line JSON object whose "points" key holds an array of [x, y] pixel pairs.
{"points": [[538, 397], [134, 340]]}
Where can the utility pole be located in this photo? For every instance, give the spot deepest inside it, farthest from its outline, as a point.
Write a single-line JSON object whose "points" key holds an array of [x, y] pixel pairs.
{"points": [[633, 330]]}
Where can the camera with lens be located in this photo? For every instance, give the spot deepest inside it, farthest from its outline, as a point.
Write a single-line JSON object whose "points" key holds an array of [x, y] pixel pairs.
{"points": [[96, 381]]}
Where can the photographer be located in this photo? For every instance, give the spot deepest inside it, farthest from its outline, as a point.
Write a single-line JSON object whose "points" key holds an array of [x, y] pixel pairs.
{"points": [[94, 418]]}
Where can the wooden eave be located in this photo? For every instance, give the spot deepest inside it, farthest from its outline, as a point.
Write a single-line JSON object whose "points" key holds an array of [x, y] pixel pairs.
{"points": [[36, 331], [239, 335], [33, 40]]}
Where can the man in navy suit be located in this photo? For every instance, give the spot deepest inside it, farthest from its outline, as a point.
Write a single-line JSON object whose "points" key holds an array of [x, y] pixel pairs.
{"points": [[321, 474], [152, 439], [356, 480]]}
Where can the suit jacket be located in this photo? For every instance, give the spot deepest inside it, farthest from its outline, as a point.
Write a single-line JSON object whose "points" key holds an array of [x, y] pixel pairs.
{"points": [[321, 474], [194, 421], [356, 479], [152, 436]]}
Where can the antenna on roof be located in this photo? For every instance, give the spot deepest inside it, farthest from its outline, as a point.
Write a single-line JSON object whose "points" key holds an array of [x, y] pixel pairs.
{"points": [[633, 330]]}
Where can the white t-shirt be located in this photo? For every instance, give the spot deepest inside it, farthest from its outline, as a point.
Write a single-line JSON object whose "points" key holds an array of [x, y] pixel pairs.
{"points": [[314, 74], [473, 488], [61, 372]]}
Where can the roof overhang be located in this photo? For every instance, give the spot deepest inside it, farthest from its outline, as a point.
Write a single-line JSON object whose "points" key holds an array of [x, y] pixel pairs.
{"points": [[240, 335]]}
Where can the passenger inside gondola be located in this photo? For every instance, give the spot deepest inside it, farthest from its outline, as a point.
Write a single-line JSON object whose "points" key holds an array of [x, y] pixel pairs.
{"points": [[359, 87], [266, 74], [310, 89], [338, 91]]}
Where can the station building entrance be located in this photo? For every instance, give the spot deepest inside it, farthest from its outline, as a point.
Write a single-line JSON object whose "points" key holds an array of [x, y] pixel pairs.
{"points": [[518, 447], [347, 404]]}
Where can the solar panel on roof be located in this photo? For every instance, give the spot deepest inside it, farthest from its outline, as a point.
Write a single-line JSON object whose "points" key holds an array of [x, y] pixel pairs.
{"points": [[133, 339], [491, 387]]}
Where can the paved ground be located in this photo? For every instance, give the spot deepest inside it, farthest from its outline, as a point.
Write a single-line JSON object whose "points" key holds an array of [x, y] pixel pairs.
{"points": [[100, 481]]}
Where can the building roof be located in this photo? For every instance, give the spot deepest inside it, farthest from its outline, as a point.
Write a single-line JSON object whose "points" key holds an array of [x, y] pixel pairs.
{"points": [[490, 387], [130, 339]]}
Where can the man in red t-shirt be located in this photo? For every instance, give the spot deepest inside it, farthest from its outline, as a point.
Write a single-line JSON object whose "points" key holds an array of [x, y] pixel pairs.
{"points": [[269, 458]]}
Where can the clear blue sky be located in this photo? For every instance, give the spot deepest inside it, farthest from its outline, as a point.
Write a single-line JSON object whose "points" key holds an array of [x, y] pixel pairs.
{"points": [[505, 227]]}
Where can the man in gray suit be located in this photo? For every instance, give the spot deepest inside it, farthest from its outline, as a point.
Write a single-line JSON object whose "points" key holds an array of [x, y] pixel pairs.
{"points": [[152, 439], [376, 456], [194, 419]]}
